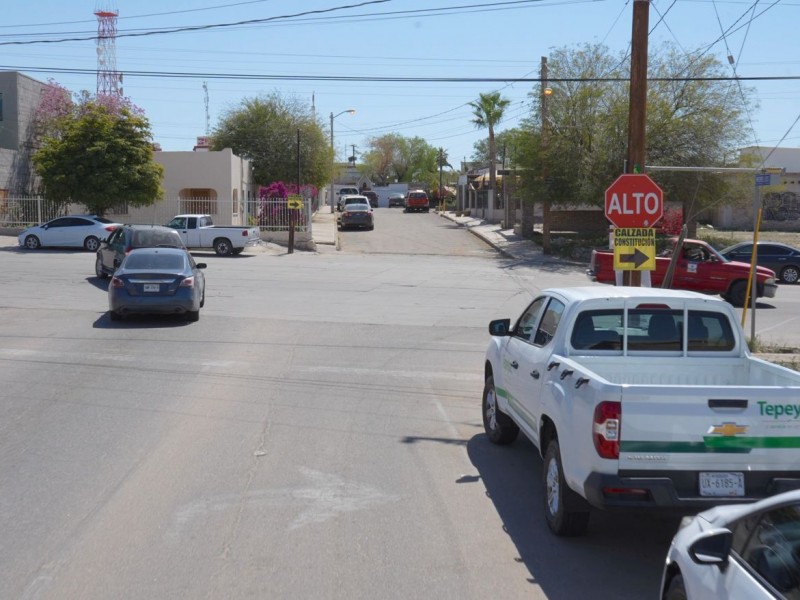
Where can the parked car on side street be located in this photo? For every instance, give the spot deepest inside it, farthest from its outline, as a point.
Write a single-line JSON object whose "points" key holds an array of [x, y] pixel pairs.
{"points": [[737, 552], [781, 258], [127, 237], [157, 281], [372, 197], [397, 200], [357, 215], [72, 231], [417, 201], [345, 191], [354, 199]]}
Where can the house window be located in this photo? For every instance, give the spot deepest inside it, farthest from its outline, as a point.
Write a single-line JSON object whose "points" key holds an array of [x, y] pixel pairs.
{"points": [[198, 201]]}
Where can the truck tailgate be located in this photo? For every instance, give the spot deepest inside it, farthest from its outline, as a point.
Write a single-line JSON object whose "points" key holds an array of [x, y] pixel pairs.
{"points": [[709, 427]]}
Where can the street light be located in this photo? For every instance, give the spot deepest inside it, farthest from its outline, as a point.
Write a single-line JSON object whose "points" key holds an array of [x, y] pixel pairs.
{"points": [[333, 152]]}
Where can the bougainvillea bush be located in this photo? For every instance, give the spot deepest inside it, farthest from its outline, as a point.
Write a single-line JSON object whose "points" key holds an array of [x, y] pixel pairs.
{"points": [[273, 210]]}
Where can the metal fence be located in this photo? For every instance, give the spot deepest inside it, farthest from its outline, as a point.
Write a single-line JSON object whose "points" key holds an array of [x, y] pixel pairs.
{"points": [[269, 214]]}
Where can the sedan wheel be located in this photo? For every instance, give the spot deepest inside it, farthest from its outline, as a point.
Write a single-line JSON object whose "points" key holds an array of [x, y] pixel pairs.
{"points": [[32, 242], [790, 274], [91, 243]]}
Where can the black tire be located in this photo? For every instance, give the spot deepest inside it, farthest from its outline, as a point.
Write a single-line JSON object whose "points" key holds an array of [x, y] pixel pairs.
{"points": [[559, 499], [499, 427], [114, 316], [193, 316], [737, 293], [98, 268], [32, 242], [223, 247], [790, 274], [237, 251], [676, 590], [91, 244]]}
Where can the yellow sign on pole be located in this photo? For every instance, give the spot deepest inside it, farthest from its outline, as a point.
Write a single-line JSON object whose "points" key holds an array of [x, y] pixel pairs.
{"points": [[294, 201], [634, 249]]}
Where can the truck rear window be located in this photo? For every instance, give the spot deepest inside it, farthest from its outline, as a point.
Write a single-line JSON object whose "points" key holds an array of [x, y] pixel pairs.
{"points": [[653, 329]]}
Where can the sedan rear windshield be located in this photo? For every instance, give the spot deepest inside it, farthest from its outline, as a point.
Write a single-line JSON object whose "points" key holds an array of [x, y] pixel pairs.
{"points": [[155, 262]]}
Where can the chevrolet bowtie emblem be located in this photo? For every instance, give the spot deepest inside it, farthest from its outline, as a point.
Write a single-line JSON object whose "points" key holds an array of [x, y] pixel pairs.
{"points": [[727, 429]]}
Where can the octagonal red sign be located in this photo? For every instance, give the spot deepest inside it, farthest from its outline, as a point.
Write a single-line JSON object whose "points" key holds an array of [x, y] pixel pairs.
{"points": [[634, 200]]}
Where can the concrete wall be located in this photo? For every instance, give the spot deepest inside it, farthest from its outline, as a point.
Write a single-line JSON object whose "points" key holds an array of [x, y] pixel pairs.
{"points": [[20, 98]]}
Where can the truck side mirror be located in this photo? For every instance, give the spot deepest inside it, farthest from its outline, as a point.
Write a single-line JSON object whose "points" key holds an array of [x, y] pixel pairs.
{"points": [[500, 327]]}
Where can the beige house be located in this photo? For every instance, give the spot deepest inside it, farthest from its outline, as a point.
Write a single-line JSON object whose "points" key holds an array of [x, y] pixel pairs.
{"points": [[218, 183]]}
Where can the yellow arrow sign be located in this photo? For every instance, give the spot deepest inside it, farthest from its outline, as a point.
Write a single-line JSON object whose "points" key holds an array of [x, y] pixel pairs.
{"points": [[635, 249], [294, 201]]}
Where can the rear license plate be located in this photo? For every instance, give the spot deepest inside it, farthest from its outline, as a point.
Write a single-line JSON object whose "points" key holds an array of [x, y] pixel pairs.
{"points": [[721, 484], [151, 287]]}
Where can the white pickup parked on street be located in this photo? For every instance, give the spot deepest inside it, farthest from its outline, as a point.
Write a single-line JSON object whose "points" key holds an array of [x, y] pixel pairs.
{"points": [[641, 398], [199, 231]]}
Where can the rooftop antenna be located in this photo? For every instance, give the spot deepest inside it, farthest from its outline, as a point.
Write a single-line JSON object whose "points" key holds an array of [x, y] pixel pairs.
{"points": [[109, 80], [205, 90]]}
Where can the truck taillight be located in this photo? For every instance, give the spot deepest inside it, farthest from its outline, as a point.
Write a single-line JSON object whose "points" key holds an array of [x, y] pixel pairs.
{"points": [[605, 429], [244, 232]]}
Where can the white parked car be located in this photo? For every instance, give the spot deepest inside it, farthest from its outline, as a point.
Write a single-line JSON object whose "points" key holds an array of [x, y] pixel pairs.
{"points": [[72, 231], [737, 552]]}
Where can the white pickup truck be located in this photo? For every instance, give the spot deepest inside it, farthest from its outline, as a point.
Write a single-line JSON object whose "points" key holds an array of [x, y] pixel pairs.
{"points": [[641, 398], [199, 231]]}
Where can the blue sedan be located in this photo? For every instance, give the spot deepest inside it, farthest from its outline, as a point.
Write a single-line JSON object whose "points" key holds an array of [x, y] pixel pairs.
{"points": [[783, 259], [157, 280]]}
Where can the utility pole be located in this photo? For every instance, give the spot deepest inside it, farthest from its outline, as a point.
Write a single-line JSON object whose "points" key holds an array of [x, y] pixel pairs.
{"points": [[506, 212], [546, 91], [441, 166], [637, 109]]}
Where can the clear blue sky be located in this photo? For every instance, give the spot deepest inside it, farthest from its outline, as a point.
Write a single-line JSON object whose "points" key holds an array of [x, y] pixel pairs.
{"points": [[394, 38]]}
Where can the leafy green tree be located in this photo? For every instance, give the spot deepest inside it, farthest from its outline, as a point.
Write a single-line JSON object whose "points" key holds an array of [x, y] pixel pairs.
{"points": [[394, 157], [377, 161], [488, 111], [99, 154], [264, 130], [696, 123]]}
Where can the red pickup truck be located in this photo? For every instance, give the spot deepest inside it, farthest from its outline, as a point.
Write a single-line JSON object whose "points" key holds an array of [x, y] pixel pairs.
{"points": [[699, 268], [417, 200]]}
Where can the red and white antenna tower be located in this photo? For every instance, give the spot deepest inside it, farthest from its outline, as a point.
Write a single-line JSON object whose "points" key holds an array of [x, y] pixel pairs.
{"points": [[109, 80]]}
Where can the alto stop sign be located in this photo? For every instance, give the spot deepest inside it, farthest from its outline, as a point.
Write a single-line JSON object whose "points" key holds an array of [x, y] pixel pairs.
{"points": [[634, 200]]}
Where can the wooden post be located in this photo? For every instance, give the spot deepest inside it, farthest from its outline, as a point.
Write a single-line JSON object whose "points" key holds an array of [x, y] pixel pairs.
{"points": [[637, 109]]}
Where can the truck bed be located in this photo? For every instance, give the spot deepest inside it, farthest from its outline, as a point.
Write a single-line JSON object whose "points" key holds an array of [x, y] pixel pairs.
{"points": [[718, 371]]}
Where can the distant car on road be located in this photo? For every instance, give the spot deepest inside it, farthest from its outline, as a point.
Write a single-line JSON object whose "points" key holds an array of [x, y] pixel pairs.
{"points": [[397, 200], [354, 199], [72, 231], [417, 201], [372, 197], [357, 214], [737, 551], [157, 280], [127, 237], [781, 258]]}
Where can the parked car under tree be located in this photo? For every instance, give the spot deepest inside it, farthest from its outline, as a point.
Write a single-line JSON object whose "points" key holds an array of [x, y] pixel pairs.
{"points": [[72, 231]]}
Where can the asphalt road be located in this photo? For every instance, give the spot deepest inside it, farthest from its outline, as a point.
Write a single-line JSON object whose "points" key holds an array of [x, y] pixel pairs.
{"points": [[317, 434]]}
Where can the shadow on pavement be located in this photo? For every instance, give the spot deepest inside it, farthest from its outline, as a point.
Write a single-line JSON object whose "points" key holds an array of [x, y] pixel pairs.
{"points": [[620, 557]]}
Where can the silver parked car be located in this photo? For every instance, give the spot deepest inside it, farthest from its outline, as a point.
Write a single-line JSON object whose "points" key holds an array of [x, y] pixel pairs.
{"points": [[157, 280], [737, 552], [72, 231]]}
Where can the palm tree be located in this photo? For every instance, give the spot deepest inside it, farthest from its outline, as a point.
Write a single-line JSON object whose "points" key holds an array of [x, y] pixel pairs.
{"points": [[488, 110]]}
